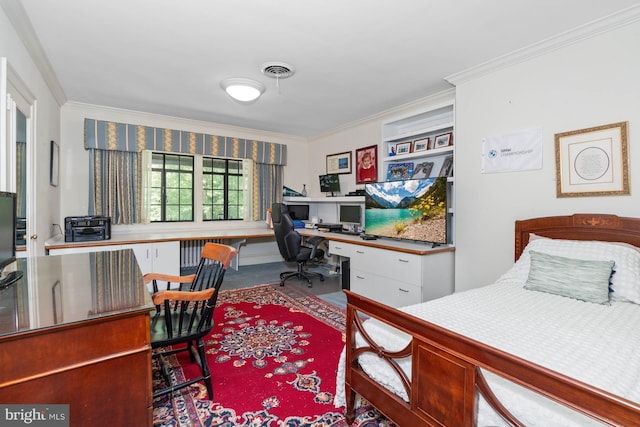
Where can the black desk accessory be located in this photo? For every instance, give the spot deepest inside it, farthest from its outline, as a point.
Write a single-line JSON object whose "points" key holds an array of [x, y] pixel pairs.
{"points": [[368, 237]]}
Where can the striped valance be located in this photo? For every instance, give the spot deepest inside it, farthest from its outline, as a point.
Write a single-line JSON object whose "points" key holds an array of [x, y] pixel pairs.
{"points": [[103, 135]]}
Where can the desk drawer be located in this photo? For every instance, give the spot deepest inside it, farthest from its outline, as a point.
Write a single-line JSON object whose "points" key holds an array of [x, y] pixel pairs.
{"points": [[341, 249], [391, 264], [388, 291]]}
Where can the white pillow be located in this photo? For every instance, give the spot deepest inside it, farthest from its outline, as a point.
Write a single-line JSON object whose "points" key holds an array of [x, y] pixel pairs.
{"points": [[625, 281]]}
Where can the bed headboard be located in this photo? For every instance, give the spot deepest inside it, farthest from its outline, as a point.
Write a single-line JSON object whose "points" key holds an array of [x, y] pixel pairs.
{"points": [[602, 227]]}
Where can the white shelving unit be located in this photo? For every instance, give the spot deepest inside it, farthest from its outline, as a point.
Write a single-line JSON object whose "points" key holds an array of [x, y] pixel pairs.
{"points": [[430, 123]]}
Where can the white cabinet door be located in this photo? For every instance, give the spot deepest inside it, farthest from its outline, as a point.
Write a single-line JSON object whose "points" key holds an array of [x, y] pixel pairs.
{"points": [[160, 257], [166, 258], [143, 253]]}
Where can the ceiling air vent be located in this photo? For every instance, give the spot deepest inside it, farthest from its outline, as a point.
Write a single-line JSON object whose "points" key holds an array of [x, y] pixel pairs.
{"points": [[277, 70]]}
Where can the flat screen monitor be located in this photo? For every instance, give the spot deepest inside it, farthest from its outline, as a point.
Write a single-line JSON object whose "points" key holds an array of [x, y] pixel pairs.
{"points": [[349, 214], [414, 209], [330, 183], [7, 228], [300, 212]]}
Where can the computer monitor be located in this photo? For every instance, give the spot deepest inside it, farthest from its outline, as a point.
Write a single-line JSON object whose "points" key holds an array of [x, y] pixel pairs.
{"points": [[350, 214], [330, 183], [300, 212]]}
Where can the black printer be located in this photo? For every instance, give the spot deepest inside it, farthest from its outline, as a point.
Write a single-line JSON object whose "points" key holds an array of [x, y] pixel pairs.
{"points": [[87, 228]]}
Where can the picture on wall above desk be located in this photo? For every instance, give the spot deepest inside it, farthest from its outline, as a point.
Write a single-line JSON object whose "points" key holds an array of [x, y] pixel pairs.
{"points": [[339, 163], [397, 171], [366, 161]]}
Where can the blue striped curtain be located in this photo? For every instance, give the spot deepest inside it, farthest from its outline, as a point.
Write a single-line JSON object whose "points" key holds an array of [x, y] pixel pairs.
{"points": [[267, 188], [101, 136], [114, 189]]}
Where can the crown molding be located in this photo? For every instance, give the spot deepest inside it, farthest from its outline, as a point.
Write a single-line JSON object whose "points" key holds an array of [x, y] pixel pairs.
{"points": [[23, 27], [591, 29]]}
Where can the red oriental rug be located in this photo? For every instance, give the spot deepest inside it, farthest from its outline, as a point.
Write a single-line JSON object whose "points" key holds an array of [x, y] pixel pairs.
{"points": [[273, 358]]}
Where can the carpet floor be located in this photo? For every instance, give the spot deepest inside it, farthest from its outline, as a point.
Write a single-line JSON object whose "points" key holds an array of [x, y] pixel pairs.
{"points": [[273, 354]]}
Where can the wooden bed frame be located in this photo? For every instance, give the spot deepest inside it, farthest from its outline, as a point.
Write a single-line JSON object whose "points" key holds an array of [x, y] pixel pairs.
{"points": [[446, 368]]}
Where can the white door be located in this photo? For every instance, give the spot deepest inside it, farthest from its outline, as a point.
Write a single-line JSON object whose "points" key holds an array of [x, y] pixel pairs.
{"points": [[18, 150]]}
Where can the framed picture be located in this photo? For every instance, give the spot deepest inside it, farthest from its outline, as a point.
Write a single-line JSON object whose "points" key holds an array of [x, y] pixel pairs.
{"points": [[398, 171], [593, 161], [422, 170], [403, 148], [421, 144], [339, 163], [447, 167], [443, 140], [366, 161], [54, 164]]}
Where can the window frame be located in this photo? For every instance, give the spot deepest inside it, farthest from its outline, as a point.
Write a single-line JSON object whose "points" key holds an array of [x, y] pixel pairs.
{"points": [[226, 190], [246, 166], [163, 189]]}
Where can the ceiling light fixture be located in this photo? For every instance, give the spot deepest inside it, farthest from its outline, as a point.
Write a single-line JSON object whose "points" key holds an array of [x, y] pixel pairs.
{"points": [[243, 90]]}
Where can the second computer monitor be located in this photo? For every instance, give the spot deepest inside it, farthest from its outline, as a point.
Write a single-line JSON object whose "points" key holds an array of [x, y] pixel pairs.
{"points": [[350, 214], [300, 212]]}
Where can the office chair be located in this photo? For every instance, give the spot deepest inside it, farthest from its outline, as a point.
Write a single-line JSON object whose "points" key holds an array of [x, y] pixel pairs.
{"points": [[291, 246], [184, 317]]}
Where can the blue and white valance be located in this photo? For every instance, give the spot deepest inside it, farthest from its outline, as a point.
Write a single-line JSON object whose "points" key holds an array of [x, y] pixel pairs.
{"points": [[103, 135]]}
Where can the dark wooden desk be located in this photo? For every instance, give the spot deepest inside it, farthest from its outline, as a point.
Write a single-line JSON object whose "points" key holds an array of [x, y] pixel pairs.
{"points": [[75, 330]]}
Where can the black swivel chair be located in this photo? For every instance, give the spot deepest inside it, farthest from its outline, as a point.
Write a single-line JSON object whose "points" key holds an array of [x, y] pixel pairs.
{"points": [[291, 246]]}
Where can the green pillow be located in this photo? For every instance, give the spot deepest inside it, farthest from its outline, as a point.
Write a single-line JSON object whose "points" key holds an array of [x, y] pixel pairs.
{"points": [[574, 278]]}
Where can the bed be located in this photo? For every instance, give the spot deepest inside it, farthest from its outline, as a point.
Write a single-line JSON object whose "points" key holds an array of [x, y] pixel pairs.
{"points": [[514, 352]]}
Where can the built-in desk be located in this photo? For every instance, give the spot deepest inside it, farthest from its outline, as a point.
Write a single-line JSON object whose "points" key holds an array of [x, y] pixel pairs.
{"points": [[160, 252], [75, 330], [394, 272]]}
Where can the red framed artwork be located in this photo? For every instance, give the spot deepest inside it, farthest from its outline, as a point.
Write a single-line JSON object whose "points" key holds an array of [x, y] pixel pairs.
{"points": [[366, 164]]}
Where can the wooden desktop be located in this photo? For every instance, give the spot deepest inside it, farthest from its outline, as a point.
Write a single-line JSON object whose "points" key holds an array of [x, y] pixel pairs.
{"points": [[75, 330]]}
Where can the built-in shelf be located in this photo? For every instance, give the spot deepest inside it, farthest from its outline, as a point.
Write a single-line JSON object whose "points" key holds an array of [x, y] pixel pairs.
{"points": [[419, 154]]}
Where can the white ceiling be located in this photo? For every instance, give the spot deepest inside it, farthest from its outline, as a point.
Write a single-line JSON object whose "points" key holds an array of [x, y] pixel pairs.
{"points": [[353, 58]]}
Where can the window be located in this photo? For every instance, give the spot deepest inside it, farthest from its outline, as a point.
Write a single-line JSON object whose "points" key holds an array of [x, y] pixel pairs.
{"points": [[171, 189], [222, 189]]}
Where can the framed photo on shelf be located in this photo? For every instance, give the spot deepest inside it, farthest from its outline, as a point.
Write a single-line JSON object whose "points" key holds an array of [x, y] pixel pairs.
{"points": [[421, 144], [366, 161], [593, 161], [422, 170], [339, 163], [403, 147], [398, 171], [443, 140], [447, 167]]}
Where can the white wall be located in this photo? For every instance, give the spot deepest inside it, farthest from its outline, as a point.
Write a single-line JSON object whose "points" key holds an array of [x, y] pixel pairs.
{"points": [[592, 82], [74, 168], [48, 128]]}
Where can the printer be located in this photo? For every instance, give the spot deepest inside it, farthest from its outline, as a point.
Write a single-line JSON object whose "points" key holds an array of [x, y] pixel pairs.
{"points": [[87, 228]]}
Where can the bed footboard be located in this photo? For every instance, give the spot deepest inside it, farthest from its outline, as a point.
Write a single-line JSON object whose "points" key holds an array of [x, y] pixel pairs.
{"points": [[446, 375]]}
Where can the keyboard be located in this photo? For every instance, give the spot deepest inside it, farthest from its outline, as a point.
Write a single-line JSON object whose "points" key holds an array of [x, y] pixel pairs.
{"points": [[350, 233]]}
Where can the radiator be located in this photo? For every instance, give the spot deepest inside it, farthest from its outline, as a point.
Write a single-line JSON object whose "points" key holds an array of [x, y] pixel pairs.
{"points": [[190, 251]]}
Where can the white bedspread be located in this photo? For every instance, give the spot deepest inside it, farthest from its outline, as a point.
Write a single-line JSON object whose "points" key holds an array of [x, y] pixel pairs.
{"points": [[597, 344]]}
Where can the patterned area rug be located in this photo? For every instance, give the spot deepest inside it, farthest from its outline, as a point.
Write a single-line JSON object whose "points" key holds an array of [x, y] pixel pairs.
{"points": [[273, 358]]}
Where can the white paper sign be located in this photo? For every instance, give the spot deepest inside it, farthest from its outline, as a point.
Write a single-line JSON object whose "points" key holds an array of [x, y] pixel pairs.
{"points": [[512, 152]]}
